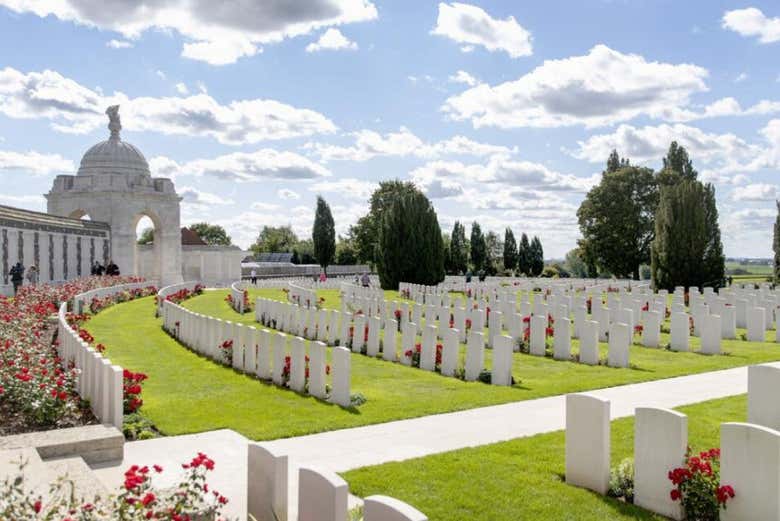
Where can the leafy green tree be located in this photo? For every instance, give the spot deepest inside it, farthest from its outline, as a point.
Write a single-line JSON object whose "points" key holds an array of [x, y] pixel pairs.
{"points": [[305, 251], [616, 220], [575, 264], [478, 247], [510, 250], [494, 250], [615, 162], [147, 236], [323, 234], [410, 242], [687, 250], [524, 255], [537, 257], [776, 244], [212, 234], [275, 239], [366, 231], [446, 242], [677, 166], [345, 252], [459, 249]]}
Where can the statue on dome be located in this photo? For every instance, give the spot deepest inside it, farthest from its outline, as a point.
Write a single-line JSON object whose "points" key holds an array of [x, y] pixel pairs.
{"points": [[114, 124]]}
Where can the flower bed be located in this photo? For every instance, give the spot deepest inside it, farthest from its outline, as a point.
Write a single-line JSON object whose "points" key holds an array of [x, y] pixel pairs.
{"points": [[138, 500], [36, 391]]}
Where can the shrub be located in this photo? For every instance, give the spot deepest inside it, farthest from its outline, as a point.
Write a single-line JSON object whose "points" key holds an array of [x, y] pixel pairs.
{"points": [[697, 486], [621, 481]]}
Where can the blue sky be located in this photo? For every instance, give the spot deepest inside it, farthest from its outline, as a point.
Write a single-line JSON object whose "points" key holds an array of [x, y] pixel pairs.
{"points": [[502, 112]]}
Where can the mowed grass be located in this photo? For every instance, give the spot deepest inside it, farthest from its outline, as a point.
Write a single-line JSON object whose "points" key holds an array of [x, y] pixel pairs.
{"points": [[523, 479], [188, 393]]}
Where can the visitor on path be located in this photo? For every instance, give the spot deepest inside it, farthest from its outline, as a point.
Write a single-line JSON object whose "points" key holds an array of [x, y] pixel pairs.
{"points": [[323, 277], [100, 270], [481, 274], [365, 281], [253, 276], [32, 275], [468, 276], [112, 270], [96, 269], [17, 276]]}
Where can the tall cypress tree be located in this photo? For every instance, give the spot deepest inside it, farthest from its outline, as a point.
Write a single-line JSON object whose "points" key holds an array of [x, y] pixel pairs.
{"points": [[776, 244], [478, 247], [459, 250], [410, 247], [510, 250], [524, 255], [713, 261], [323, 234], [537, 257]]}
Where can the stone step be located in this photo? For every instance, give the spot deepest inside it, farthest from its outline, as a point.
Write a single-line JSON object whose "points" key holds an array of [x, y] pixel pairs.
{"points": [[74, 469], [94, 443], [26, 461]]}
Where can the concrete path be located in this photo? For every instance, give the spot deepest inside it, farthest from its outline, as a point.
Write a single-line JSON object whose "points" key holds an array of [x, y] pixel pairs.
{"points": [[348, 449]]}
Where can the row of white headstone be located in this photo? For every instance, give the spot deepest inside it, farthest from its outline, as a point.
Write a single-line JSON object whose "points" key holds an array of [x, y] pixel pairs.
{"points": [[237, 296], [322, 495], [749, 452], [262, 353], [99, 382], [359, 331]]}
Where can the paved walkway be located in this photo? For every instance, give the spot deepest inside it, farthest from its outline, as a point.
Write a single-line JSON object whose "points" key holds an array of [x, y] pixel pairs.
{"points": [[348, 449]]}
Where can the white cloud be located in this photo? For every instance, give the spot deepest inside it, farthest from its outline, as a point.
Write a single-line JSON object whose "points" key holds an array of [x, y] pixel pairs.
{"points": [[370, 144], [752, 22], [601, 88], [755, 192], [31, 202], [650, 143], [286, 193], [741, 77], [217, 33], [349, 188], [332, 40], [464, 77], [256, 166], [160, 74], [119, 44], [199, 200], [182, 89], [35, 162], [74, 108], [470, 25]]}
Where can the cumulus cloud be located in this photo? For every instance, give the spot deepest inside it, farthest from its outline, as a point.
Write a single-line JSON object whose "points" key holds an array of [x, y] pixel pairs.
{"points": [[463, 77], [286, 193], [370, 144], [752, 22], [119, 44], [74, 108], [182, 89], [755, 192], [256, 166], [600, 88], [217, 33], [35, 163], [650, 143], [332, 40], [349, 188], [470, 25], [199, 200]]}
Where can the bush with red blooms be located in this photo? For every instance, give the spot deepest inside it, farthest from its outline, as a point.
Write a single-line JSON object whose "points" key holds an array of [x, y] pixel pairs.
{"points": [[697, 486], [37, 388], [96, 305], [638, 329], [247, 303], [288, 366], [226, 348], [132, 390], [184, 293], [414, 356], [137, 499]]}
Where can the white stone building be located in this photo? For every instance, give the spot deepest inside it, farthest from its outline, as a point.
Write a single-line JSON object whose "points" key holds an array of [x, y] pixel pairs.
{"points": [[114, 190]]}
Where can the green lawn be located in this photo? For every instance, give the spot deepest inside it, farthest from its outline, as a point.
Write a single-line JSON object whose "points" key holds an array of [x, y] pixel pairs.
{"points": [[523, 479], [188, 393]]}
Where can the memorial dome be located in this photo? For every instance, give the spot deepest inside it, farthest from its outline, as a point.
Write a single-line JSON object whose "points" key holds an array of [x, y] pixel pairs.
{"points": [[114, 156]]}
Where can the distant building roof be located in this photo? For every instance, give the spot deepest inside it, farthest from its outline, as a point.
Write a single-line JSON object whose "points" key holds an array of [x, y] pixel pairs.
{"points": [[190, 238]]}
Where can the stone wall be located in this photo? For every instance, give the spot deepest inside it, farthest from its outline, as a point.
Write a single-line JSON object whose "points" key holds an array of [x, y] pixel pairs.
{"points": [[61, 248]]}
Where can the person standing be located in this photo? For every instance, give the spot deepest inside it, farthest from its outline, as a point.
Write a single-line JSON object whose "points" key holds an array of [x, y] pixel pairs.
{"points": [[17, 276], [365, 281], [253, 276], [323, 276], [32, 275]]}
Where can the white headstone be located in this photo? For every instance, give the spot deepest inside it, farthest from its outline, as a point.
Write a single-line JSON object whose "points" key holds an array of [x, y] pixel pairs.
{"points": [[587, 442]]}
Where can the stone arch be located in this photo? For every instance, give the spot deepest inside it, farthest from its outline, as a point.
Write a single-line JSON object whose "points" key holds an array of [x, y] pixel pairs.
{"points": [[147, 259]]}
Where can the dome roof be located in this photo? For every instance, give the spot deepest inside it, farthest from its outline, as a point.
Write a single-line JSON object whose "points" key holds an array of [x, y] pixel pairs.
{"points": [[114, 156]]}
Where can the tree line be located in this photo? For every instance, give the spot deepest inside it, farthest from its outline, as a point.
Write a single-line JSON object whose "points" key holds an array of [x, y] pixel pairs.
{"points": [[666, 219]]}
